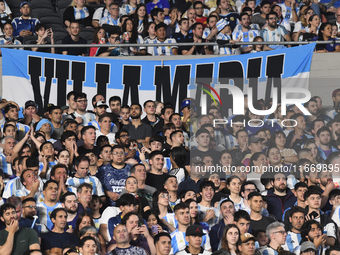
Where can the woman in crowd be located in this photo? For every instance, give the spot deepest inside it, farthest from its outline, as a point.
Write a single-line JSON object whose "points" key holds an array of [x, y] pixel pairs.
{"points": [[140, 20], [325, 32], [193, 212], [78, 11], [131, 187], [226, 161], [278, 139], [301, 26], [99, 37], [151, 34], [230, 241], [257, 165], [310, 144], [160, 204], [234, 186], [153, 222], [130, 35], [312, 29]]}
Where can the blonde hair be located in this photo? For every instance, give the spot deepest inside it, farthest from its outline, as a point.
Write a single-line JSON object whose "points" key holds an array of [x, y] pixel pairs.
{"points": [[74, 3]]}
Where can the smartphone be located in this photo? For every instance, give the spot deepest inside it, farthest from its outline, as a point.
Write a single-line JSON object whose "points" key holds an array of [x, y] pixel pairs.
{"points": [[140, 145], [154, 229], [314, 214]]}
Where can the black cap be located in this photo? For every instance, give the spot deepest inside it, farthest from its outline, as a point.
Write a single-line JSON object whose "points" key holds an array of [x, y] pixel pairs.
{"points": [[194, 230], [202, 131], [9, 107], [30, 103]]}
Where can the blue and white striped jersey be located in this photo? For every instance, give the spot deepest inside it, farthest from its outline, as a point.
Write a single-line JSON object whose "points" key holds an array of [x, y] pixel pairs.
{"points": [[178, 242], [6, 167], [80, 14], [245, 36], [49, 168], [109, 20], [39, 197], [170, 218], [95, 123], [126, 9], [96, 184], [231, 141], [225, 50], [253, 26], [276, 35], [161, 50], [292, 241], [44, 213], [336, 215], [202, 211], [287, 12]]}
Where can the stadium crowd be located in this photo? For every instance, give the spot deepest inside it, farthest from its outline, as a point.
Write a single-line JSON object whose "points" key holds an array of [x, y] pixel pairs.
{"points": [[162, 21], [100, 179]]}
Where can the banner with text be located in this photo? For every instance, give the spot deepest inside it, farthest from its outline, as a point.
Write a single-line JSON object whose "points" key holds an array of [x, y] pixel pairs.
{"points": [[47, 78]]}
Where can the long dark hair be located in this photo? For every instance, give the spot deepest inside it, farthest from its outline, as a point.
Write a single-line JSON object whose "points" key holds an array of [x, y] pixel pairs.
{"points": [[155, 201], [134, 34], [95, 37], [179, 155], [273, 138], [224, 241], [136, 19], [188, 202], [80, 218], [321, 29]]}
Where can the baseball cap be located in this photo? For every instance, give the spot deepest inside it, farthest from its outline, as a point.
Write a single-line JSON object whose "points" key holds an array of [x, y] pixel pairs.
{"points": [[221, 24], [30, 103], [255, 139], [307, 245], [194, 230], [185, 103], [9, 107], [197, 160], [101, 103], [334, 92], [64, 107], [202, 131], [23, 3], [246, 237]]}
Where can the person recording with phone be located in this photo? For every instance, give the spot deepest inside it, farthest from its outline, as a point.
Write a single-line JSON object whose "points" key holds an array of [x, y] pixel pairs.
{"points": [[45, 36], [114, 50]]}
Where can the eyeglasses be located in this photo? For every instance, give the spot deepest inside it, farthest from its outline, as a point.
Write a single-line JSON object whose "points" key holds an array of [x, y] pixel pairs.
{"points": [[273, 18], [124, 136], [31, 207], [115, 9], [118, 153], [82, 101], [282, 232], [310, 13]]}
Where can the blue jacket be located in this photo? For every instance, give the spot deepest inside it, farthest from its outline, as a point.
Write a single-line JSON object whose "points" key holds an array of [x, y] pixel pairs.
{"points": [[275, 205], [216, 234]]}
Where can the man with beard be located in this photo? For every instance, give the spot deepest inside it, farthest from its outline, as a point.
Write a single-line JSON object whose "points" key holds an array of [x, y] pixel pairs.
{"points": [[334, 127], [325, 148], [245, 34], [297, 219], [114, 175], [312, 107], [257, 220], [313, 200], [57, 238], [178, 240], [276, 234], [137, 129], [85, 117], [15, 240], [123, 139], [280, 197], [49, 204], [70, 204], [325, 181], [274, 32], [29, 208], [299, 191], [227, 210]]}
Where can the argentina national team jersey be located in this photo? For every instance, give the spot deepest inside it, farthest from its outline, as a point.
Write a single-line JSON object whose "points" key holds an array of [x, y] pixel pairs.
{"points": [[245, 36], [161, 50], [96, 184], [49, 168], [292, 241], [44, 213], [274, 36], [206, 33], [225, 50], [95, 123], [109, 20], [286, 12], [126, 9], [80, 14], [336, 215], [252, 27], [178, 242], [170, 218], [6, 167], [231, 141]]}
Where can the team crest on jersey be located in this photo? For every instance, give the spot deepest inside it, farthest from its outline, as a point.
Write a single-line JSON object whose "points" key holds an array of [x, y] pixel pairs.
{"points": [[232, 18], [288, 11], [91, 183], [251, 35], [49, 213], [245, 36]]}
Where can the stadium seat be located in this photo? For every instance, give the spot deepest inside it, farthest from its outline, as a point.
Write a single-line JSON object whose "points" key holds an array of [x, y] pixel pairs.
{"points": [[87, 34], [15, 12], [35, 4], [63, 4], [51, 18], [40, 12]]}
